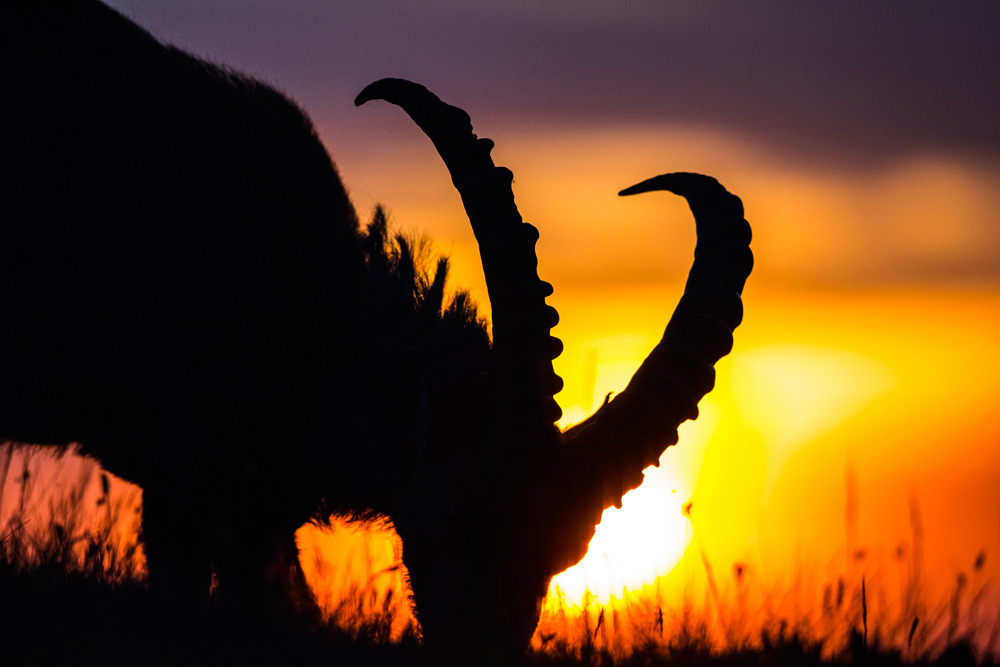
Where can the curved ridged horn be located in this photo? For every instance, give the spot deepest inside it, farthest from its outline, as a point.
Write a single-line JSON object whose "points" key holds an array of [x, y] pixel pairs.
{"points": [[522, 347], [630, 432]]}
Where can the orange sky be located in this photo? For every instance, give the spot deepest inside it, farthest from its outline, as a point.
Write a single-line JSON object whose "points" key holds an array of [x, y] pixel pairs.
{"points": [[868, 352], [850, 371]]}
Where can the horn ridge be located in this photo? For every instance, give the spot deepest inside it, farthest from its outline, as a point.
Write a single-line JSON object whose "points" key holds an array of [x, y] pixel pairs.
{"points": [[522, 320], [631, 431]]}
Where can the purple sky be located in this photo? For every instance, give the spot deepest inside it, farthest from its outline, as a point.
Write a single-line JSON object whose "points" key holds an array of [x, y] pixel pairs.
{"points": [[860, 88], [853, 81]]}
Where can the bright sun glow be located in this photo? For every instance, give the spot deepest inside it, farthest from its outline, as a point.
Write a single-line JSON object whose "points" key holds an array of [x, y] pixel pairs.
{"points": [[752, 499], [785, 395], [646, 538]]}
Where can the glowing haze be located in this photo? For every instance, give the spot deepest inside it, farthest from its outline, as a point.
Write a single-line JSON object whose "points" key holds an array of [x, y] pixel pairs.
{"points": [[853, 430]]}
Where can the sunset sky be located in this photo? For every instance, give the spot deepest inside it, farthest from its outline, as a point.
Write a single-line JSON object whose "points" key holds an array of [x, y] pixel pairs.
{"points": [[864, 140]]}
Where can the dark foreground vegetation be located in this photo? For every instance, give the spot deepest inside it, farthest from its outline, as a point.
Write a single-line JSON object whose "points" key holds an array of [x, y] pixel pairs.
{"points": [[51, 616], [72, 592]]}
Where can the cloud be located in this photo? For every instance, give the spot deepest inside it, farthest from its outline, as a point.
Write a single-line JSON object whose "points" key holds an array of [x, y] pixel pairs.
{"points": [[865, 138], [854, 82]]}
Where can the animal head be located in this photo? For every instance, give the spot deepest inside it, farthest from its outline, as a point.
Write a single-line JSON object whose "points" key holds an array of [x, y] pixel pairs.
{"points": [[498, 500]]}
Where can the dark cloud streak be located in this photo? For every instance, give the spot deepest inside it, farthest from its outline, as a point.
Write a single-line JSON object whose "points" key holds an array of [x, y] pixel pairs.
{"points": [[849, 82]]}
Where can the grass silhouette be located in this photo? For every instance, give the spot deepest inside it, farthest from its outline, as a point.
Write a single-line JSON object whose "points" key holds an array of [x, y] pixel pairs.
{"points": [[72, 591]]}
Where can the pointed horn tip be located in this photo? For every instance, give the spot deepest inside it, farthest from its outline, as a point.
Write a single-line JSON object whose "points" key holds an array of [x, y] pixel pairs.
{"points": [[681, 183], [440, 121], [394, 91]]}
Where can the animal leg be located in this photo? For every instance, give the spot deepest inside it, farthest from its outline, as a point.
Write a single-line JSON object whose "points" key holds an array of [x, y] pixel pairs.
{"points": [[179, 576], [178, 569]]}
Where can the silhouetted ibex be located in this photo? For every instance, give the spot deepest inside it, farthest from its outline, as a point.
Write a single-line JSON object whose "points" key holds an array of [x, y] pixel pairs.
{"points": [[187, 294]]}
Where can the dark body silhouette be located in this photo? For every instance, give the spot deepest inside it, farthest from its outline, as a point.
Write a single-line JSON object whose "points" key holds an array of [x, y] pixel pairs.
{"points": [[187, 294]]}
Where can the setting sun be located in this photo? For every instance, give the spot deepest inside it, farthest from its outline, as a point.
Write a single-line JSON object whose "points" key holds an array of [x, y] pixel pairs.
{"points": [[644, 539]]}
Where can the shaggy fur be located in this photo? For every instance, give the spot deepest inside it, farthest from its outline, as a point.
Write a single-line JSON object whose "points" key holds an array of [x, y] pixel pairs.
{"points": [[189, 297]]}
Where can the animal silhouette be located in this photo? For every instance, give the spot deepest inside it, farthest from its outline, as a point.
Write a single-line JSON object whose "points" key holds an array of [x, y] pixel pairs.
{"points": [[188, 295]]}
